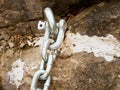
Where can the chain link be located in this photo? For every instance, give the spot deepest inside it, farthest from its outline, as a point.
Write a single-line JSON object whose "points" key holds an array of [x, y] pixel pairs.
{"points": [[49, 48]]}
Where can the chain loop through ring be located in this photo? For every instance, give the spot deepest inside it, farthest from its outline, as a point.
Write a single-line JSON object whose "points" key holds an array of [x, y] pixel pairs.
{"points": [[49, 47]]}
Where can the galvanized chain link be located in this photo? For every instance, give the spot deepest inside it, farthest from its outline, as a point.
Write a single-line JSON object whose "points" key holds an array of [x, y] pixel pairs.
{"points": [[49, 47]]}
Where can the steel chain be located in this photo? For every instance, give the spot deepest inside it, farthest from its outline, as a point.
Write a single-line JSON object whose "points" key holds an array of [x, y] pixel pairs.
{"points": [[49, 48]]}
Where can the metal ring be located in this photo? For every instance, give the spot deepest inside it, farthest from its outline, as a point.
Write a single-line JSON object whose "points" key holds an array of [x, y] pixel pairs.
{"points": [[44, 49], [36, 78], [62, 27], [50, 18], [48, 68], [47, 31], [47, 83], [54, 55], [42, 65]]}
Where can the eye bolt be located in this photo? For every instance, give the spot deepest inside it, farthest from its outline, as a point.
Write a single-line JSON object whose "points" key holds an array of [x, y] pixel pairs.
{"points": [[40, 25]]}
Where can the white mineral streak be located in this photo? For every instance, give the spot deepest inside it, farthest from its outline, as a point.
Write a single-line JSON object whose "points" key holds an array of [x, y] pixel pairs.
{"points": [[107, 47], [19, 68], [31, 68], [16, 74]]}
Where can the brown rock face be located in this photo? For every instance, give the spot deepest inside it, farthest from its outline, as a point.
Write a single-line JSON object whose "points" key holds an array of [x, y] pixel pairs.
{"points": [[83, 71], [77, 71], [26, 13], [15, 11], [98, 20], [19, 18]]}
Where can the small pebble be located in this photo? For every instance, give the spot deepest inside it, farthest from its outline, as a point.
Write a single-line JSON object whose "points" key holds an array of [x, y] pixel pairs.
{"points": [[11, 44]]}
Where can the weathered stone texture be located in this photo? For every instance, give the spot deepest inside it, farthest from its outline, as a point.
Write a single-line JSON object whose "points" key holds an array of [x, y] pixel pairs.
{"points": [[101, 19], [80, 71]]}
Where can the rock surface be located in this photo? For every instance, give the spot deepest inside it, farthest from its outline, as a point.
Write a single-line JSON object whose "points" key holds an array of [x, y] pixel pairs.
{"points": [[19, 18], [76, 71], [100, 20]]}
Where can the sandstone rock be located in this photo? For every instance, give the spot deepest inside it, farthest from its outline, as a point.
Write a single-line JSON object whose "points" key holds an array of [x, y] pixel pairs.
{"points": [[11, 44], [15, 11], [2, 49], [80, 71], [22, 45], [98, 20], [20, 17], [4, 35], [63, 7]]}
